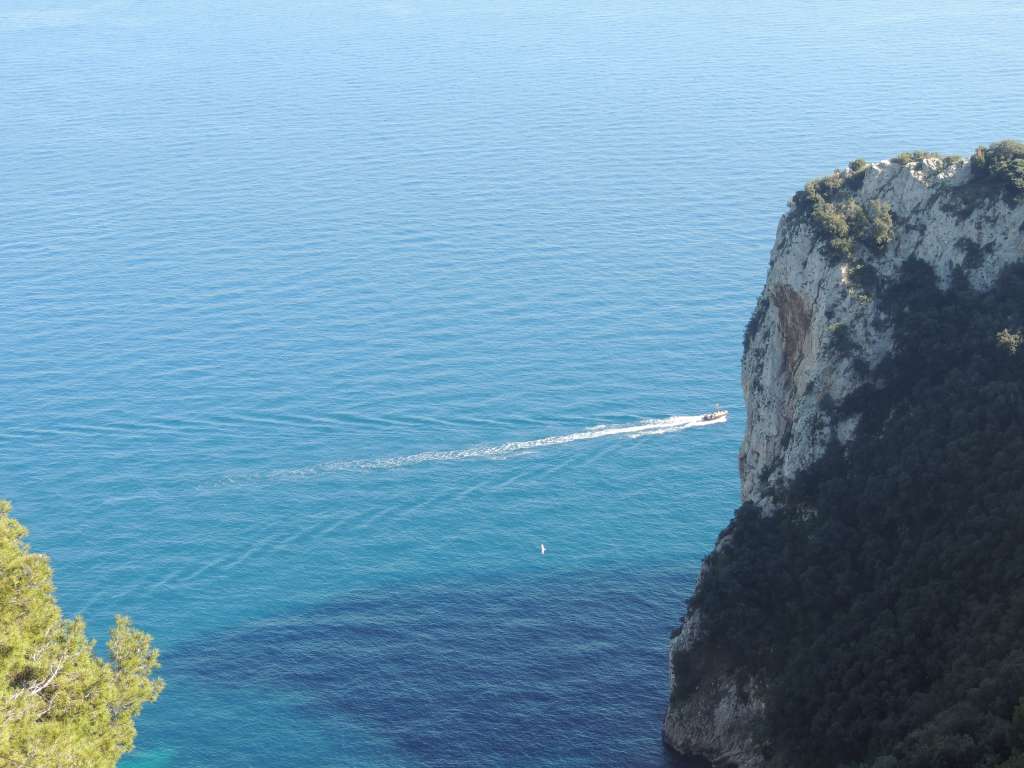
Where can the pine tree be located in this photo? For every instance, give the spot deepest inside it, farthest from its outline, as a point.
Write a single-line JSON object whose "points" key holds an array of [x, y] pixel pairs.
{"points": [[61, 705]]}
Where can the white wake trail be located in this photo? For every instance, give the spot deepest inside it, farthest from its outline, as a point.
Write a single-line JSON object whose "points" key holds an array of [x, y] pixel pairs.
{"points": [[644, 428]]}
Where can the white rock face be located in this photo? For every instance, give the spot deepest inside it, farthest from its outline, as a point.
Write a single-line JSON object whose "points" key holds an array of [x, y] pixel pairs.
{"points": [[816, 336], [793, 371]]}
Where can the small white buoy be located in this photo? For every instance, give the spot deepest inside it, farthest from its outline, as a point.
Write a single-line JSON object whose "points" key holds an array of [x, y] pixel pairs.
{"points": [[543, 549]]}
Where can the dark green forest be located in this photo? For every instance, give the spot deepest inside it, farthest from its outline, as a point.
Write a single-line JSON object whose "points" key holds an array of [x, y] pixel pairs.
{"points": [[885, 604]]}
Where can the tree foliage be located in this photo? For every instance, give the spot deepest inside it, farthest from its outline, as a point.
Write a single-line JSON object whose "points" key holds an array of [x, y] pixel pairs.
{"points": [[840, 219], [909, 158], [1003, 162], [61, 706], [884, 604]]}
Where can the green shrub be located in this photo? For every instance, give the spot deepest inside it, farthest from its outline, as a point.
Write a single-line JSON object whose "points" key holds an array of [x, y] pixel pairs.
{"points": [[846, 222], [879, 231], [906, 158], [839, 218], [1004, 163], [831, 224], [828, 185]]}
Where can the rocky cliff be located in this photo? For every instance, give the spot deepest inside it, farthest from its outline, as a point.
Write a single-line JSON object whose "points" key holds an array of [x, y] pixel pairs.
{"points": [[814, 308], [816, 338]]}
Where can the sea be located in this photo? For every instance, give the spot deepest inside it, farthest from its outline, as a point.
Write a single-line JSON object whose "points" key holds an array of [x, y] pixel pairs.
{"points": [[319, 317]]}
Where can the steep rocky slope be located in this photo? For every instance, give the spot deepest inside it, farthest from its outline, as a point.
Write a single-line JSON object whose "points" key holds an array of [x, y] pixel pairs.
{"points": [[794, 361], [821, 337]]}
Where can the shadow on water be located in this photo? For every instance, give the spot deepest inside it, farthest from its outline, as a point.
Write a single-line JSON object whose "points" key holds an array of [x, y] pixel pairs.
{"points": [[541, 671]]}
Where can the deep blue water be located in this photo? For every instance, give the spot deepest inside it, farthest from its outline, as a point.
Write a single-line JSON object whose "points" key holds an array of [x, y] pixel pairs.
{"points": [[253, 251]]}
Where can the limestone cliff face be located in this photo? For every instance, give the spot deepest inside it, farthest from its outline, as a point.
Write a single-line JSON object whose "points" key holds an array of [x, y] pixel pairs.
{"points": [[793, 363], [817, 334]]}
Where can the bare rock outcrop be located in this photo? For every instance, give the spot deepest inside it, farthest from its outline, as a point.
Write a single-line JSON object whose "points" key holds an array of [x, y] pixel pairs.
{"points": [[817, 335]]}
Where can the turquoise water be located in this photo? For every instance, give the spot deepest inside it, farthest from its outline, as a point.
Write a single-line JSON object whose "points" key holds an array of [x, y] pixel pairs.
{"points": [[281, 281]]}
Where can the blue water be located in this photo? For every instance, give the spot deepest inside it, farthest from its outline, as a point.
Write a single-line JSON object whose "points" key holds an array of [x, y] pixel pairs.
{"points": [[255, 255]]}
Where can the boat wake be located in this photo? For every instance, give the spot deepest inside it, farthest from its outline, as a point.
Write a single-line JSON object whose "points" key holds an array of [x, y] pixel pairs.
{"points": [[284, 534], [503, 450]]}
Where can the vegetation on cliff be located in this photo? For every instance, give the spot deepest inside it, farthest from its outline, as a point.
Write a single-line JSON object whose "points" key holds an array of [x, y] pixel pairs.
{"points": [[1002, 162], [839, 218], [61, 706], [884, 606], [842, 221]]}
